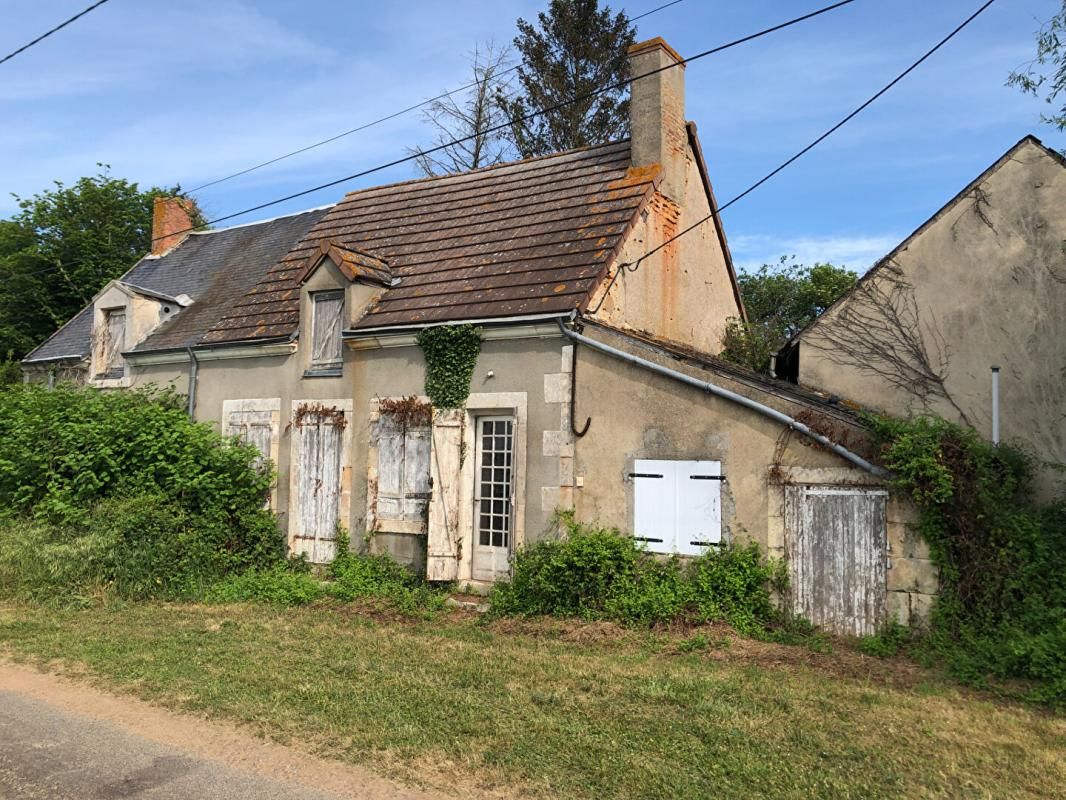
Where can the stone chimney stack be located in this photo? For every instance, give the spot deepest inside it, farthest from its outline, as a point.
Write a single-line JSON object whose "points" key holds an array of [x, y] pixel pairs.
{"points": [[657, 113], [171, 221]]}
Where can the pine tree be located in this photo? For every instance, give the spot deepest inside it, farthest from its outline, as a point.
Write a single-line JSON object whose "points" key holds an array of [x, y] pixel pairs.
{"points": [[575, 49]]}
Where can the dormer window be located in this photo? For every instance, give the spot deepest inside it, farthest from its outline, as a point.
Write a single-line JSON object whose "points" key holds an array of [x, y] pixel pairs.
{"points": [[113, 343], [326, 316]]}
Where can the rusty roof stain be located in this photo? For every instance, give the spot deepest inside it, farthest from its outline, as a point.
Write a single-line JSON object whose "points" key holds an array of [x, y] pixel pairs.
{"points": [[532, 236]]}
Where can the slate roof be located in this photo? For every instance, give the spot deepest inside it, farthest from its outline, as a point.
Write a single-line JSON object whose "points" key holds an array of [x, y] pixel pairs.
{"points": [[529, 237], [214, 268]]}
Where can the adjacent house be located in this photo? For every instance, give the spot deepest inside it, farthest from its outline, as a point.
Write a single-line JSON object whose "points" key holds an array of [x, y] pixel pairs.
{"points": [[596, 387], [977, 294]]}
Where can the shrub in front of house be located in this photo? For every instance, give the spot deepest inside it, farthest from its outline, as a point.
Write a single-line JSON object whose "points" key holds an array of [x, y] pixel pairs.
{"points": [[121, 492], [598, 573], [358, 576], [63, 451], [279, 585]]}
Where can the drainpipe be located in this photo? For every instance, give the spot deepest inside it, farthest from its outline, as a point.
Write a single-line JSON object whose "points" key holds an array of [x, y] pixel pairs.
{"points": [[739, 399], [995, 405], [194, 370]]}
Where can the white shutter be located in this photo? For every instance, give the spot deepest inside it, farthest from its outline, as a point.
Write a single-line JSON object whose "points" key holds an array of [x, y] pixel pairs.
{"points": [[390, 469], [699, 506], [677, 506], [417, 445], [653, 504]]}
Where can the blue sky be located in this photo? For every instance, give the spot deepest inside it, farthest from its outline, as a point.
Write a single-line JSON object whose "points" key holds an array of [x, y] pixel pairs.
{"points": [[187, 92]]}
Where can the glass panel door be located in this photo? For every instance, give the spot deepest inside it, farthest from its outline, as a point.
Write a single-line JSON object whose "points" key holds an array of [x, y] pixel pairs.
{"points": [[493, 497]]}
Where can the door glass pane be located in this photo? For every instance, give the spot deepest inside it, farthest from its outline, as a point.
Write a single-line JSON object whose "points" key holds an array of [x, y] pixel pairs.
{"points": [[496, 438]]}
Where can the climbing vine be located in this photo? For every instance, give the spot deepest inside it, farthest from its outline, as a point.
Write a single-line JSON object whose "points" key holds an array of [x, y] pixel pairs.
{"points": [[451, 352], [1000, 617]]}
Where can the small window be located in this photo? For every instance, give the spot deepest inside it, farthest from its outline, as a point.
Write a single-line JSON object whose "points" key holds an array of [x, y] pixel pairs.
{"points": [[677, 506], [326, 316], [403, 470], [112, 343]]}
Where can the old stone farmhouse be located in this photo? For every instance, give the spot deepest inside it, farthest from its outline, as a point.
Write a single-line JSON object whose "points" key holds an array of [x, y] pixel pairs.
{"points": [[596, 387]]}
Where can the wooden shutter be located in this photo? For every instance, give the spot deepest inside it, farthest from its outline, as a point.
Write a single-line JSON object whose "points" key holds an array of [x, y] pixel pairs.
{"points": [[390, 468], [318, 442], [677, 505], [403, 470], [326, 328]]}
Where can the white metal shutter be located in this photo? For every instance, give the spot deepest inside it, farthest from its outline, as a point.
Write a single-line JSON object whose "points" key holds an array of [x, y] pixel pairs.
{"points": [[677, 505]]}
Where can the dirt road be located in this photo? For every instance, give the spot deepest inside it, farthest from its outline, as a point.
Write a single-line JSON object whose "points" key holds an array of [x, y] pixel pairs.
{"points": [[61, 740]]}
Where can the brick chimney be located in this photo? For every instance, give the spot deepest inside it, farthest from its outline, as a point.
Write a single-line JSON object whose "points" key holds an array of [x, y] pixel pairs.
{"points": [[657, 113], [171, 221]]}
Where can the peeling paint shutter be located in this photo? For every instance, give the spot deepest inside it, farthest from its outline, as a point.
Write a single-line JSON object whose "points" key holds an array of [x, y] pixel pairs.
{"points": [[835, 540], [443, 535], [254, 427], [318, 465], [390, 469], [677, 505], [403, 470], [326, 328], [416, 491]]}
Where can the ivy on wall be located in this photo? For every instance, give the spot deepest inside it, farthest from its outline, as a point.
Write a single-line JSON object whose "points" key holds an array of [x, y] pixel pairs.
{"points": [[1000, 618], [451, 352]]}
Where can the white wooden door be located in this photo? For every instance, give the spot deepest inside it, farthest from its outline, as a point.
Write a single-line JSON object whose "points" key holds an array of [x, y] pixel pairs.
{"points": [[317, 445], [493, 497], [835, 541]]}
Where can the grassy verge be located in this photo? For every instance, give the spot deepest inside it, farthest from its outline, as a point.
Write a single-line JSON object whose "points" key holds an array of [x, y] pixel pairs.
{"points": [[554, 709]]}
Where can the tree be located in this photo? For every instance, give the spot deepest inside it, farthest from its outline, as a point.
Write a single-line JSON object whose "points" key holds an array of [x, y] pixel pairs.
{"points": [[62, 247], [781, 300], [1047, 72], [469, 118], [576, 48]]}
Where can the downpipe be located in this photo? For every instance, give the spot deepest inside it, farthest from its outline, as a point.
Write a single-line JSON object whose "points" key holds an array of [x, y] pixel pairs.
{"points": [[726, 394], [194, 372]]}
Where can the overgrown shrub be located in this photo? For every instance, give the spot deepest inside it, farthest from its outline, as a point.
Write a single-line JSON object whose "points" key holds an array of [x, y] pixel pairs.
{"points": [[597, 573], [279, 585], [64, 450], [121, 492], [360, 576], [1001, 613], [143, 546]]}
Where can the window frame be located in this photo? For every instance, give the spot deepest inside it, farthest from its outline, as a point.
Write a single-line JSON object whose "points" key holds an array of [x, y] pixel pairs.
{"points": [[112, 364]]}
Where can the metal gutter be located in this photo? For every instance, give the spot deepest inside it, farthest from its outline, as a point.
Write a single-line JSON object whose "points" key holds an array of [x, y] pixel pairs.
{"points": [[358, 333], [726, 394]]}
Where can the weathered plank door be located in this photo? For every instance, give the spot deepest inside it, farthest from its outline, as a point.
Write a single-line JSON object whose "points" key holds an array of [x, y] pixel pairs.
{"points": [[493, 497], [317, 448], [835, 542]]}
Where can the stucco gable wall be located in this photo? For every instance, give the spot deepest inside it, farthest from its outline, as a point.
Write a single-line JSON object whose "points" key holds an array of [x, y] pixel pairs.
{"points": [[988, 282], [684, 293]]}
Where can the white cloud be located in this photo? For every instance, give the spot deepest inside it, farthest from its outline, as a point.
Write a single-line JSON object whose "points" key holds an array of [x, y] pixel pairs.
{"points": [[859, 253]]}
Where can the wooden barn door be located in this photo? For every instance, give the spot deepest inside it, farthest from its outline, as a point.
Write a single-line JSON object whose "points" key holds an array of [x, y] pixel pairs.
{"points": [[836, 549]]}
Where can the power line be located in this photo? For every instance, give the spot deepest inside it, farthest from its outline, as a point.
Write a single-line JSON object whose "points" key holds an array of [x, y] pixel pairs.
{"points": [[523, 118], [634, 266], [386, 118], [57, 28], [532, 115]]}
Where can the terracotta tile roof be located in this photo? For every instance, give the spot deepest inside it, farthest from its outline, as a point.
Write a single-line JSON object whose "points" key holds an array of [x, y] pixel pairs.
{"points": [[524, 238]]}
